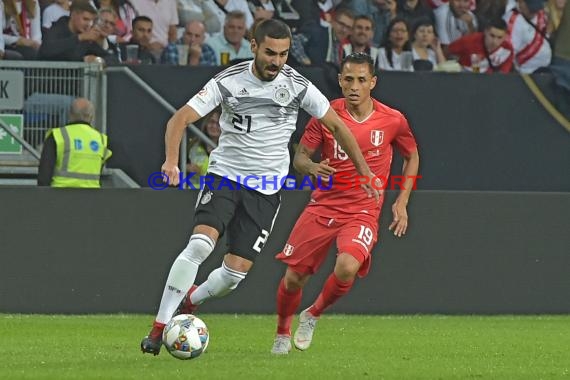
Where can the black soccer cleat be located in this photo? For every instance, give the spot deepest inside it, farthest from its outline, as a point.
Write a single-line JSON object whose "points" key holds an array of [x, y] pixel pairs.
{"points": [[151, 346]]}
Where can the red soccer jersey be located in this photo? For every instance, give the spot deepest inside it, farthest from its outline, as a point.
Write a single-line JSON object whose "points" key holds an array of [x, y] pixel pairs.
{"points": [[383, 129], [499, 60]]}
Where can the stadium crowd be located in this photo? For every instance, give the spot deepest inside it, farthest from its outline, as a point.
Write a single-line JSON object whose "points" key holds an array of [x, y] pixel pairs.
{"points": [[411, 35]]}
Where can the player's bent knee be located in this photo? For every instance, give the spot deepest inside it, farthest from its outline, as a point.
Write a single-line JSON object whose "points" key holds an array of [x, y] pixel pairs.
{"points": [[295, 280], [346, 267], [198, 249]]}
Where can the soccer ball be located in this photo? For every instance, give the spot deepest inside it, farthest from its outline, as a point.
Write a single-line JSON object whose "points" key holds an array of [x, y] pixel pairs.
{"points": [[185, 336]]}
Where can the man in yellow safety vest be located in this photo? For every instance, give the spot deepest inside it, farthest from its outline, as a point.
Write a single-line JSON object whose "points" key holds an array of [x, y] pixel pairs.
{"points": [[73, 156]]}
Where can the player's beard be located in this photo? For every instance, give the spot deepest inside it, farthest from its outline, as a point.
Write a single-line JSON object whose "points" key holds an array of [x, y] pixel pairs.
{"points": [[260, 67]]}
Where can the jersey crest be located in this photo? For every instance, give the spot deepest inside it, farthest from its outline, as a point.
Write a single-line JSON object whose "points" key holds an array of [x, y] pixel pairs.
{"points": [[376, 137], [282, 95]]}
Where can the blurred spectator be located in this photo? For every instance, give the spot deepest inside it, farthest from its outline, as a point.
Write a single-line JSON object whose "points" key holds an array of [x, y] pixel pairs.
{"points": [[261, 9], [223, 7], [360, 40], [437, 3], [125, 15], [562, 42], [337, 34], [454, 20], [489, 10], [554, 10], [74, 155], [199, 53], [164, 16], [73, 38], [22, 30], [199, 10], [527, 30], [141, 36], [198, 151], [560, 66], [107, 22], [426, 48], [397, 40], [277, 9], [308, 32], [309, 13], [54, 12], [414, 10], [381, 11], [493, 52], [231, 41]]}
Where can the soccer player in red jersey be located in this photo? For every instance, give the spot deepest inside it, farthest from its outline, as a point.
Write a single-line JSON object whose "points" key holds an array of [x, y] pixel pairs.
{"points": [[342, 212]]}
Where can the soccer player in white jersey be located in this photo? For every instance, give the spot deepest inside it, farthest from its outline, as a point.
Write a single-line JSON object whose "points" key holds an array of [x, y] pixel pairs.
{"points": [[260, 101]]}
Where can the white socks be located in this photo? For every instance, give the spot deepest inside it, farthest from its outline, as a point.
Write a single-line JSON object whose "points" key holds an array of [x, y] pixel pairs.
{"points": [[220, 282], [183, 274]]}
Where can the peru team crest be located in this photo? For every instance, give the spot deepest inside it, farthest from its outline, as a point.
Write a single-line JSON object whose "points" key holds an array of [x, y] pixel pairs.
{"points": [[376, 137], [288, 249]]}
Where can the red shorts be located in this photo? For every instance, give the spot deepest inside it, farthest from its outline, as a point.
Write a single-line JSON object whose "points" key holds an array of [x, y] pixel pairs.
{"points": [[313, 235]]}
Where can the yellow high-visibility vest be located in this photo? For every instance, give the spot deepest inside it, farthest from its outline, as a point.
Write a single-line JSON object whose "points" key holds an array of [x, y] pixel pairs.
{"points": [[81, 153]]}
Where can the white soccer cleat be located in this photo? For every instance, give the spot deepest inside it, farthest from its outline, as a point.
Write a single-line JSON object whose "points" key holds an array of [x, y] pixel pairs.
{"points": [[281, 345], [304, 334]]}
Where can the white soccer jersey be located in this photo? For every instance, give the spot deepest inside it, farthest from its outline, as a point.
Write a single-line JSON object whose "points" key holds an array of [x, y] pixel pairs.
{"points": [[257, 121]]}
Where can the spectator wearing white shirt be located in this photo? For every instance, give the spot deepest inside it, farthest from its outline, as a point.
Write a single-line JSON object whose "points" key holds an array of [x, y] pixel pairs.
{"points": [[425, 46], [454, 20], [22, 28], [54, 12], [397, 41], [527, 28], [223, 7], [164, 16]]}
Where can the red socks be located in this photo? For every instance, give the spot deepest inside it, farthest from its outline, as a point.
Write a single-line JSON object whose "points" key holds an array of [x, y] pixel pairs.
{"points": [[156, 332], [287, 304], [332, 291]]}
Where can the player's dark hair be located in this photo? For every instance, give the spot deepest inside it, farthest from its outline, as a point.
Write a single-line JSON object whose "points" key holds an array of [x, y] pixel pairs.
{"points": [[422, 21], [367, 18], [140, 19], [497, 23], [273, 29], [359, 58], [78, 6]]}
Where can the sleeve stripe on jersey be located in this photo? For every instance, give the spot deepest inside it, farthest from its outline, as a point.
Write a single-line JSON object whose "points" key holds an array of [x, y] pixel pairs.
{"points": [[233, 70], [298, 78], [302, 83]]}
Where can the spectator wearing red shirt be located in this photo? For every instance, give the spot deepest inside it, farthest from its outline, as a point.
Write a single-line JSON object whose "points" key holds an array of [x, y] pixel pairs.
{"points": [[492, 47]]}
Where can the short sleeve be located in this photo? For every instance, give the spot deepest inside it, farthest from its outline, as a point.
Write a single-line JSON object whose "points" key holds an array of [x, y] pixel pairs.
{"points": [[313, 136], [208, 98], [314, 102], [405, 141]]}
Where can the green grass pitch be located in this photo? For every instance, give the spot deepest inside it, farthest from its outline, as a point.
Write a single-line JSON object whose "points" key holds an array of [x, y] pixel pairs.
{"points": [[344, 347]]}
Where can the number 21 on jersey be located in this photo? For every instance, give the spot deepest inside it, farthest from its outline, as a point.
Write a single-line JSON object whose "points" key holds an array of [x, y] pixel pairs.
{"points": [[242, 123]]}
